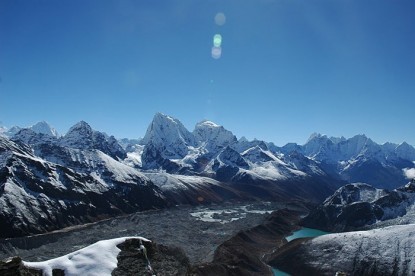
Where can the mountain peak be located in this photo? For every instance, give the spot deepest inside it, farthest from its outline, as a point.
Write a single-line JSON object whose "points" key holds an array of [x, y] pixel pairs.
{"points": [[315, 136], [79, 136], [80, 125], [214, 136], [44, 128], [170, 135], [207, 123], [243, 139], [82, 136], [161, 116]]}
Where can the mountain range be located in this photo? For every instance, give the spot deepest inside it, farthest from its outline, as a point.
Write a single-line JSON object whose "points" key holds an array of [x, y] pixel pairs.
{"points": [[48, 181]]}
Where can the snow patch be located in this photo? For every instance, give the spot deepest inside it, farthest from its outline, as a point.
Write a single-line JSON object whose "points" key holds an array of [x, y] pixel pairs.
{"points": [[98, 259]]}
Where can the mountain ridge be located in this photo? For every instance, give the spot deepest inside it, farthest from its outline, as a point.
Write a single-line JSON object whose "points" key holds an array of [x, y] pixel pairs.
{"points": [[172, 165]]}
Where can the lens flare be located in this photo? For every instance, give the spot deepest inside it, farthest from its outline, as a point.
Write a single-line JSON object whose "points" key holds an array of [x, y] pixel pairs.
{"points": [[216, 52], [217, 40], [220, 19]]}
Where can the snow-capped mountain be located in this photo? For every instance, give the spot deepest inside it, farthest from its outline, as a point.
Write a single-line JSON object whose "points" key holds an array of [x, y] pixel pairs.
{"points": [[358, 159], [212, 136], [29, 137], [169, 136], [359, 205], [12, 131], [332, 150], [3, 130], [44, 128], [40, 128], [82, 136], [213, 151], [172, 165], [45, 186], [405, 151], [244, 144]]}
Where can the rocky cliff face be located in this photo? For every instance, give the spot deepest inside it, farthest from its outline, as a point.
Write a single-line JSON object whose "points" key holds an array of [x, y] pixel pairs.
{"points": [[158, 259]]}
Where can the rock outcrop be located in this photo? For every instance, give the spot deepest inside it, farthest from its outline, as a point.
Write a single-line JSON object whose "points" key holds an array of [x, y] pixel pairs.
{"points": [[158, 259], [14, 267]]}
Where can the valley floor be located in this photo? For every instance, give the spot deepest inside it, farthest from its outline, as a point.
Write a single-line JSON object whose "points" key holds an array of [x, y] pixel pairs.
{"points": [[197, 230]]}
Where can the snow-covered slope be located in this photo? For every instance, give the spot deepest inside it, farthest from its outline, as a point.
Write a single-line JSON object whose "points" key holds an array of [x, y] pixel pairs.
{"points": [[29, 137], [40, 128], [360, 205], [243, 144], [384, 251], [169, 136], [44, 128], [212, 136], [3, 130], [185, 189], [82, 136], [98, 259], [73, 186], [405, 151], [12, 131], [358, 159]]}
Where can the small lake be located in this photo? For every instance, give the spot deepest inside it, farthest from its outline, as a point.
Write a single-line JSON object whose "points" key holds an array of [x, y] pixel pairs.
{"points": [[305, 233], [302, 233]]}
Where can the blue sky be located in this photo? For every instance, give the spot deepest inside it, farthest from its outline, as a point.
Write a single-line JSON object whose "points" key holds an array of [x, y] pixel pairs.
{"points": [[288, 67]]}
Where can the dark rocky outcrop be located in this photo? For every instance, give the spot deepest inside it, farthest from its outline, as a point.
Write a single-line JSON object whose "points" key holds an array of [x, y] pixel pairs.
{"points": [[163, 260], [14, 267]]}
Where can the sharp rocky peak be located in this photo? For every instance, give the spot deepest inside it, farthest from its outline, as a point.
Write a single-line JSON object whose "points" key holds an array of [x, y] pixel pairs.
{"points": [[82, 136], [169, 135], [80, 127], [315, 136], [79, 136]]}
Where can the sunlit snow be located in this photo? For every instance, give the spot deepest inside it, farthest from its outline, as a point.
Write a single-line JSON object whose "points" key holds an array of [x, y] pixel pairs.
{"points": [[98, 259]]}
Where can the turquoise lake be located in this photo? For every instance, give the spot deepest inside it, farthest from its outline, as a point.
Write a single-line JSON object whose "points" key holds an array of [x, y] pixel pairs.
{"points": [[302, 233]]}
